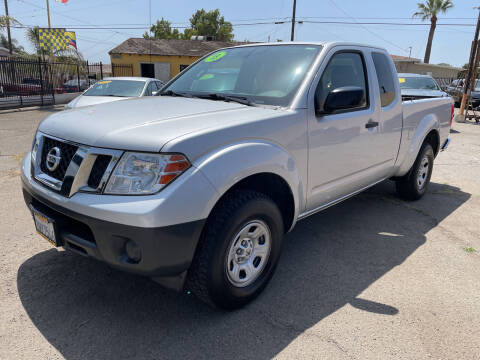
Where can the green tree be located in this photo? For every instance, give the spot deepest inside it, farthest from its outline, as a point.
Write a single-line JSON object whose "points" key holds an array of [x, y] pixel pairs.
{"points": [[209, 23], [32, 36], [4, 20], [429, 9], [16, 48], [162, 30], [462, 73]]}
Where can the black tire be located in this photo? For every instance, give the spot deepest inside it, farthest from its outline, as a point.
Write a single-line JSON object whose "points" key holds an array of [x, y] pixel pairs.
{"points": [[410, 186], [207, 277]]}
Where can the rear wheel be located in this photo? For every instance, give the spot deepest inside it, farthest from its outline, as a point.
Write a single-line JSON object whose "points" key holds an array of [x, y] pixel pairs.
{"points": [[238, 252], [414, 185]]}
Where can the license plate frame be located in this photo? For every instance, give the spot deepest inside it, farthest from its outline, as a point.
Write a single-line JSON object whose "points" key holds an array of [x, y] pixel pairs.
{"points": [[45, 227]]}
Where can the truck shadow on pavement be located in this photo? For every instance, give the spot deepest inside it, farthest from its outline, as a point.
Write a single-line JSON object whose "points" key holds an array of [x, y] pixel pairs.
{"points": [[87, 310]]}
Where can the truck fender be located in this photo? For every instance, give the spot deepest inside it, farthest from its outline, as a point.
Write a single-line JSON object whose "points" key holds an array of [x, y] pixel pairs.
{"points": [[228, 165], [427, 124]]}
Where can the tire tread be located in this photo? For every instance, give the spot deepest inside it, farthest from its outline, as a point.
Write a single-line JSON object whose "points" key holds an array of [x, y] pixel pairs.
{"points": [[405, 186], [197, 279]]}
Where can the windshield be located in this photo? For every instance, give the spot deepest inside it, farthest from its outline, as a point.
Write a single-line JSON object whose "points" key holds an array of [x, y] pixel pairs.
{"points": [[424, 83], [267, 75], [123, 88]]}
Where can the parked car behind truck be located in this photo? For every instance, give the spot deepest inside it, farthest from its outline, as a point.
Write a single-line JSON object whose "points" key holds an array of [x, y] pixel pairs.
{"points": [[455, 90], [116, 88], [196, 188], [417, 86]]}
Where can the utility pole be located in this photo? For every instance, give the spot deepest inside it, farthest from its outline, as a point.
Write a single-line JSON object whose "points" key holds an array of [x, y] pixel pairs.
{"points": [[471, 65], [10, 49], [48, 14], [292, 37], [410, 52]]}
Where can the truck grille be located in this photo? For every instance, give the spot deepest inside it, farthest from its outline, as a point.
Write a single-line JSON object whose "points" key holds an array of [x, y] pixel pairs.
{"points": [[74, 161], [98, 169], [67, 151]]}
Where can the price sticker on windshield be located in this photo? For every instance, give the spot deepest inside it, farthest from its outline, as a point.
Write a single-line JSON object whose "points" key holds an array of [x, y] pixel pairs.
{"points": [[104, 82], [215, 57], [401, 80], [207, 76]]}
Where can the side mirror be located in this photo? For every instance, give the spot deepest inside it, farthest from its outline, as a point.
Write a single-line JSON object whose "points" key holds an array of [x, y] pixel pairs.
{"points": [[343, 98], [155, 93]]}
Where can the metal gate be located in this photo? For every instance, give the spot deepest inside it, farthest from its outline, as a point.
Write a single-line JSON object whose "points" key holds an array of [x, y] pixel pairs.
{"points": [[32, 82]]}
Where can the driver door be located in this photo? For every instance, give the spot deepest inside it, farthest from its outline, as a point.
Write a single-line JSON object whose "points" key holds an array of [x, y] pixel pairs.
{"points": [[343, 157]]}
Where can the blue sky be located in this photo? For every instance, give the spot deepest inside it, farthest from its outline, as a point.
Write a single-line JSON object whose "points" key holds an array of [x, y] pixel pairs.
{"points": [[451, 43]]}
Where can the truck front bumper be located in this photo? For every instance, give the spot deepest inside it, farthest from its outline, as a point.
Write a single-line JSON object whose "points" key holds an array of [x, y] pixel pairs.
{"points": [[145, 249], [153, 252]]}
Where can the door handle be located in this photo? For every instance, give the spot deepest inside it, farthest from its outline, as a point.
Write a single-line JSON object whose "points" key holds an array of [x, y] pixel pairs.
{"points": [[371, 124]]}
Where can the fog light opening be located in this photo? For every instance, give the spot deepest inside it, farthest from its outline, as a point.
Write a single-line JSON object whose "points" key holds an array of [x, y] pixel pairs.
{"points": [[133, 252]]}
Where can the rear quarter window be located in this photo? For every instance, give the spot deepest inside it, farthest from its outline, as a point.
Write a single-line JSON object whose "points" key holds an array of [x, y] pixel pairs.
{"points": [[385, 78]]}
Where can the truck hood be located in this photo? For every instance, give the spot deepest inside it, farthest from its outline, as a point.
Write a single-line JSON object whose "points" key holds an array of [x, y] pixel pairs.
{"points": [[141, 124]]}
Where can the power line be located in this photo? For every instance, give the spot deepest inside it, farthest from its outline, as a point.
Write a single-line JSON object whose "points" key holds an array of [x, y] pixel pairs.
{"points": [[382, 18], [68, 17], [382, 23], [365, 28], [144, 27]]}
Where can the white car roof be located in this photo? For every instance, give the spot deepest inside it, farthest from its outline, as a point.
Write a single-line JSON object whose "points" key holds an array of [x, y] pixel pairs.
{"points": [[132, 78]]}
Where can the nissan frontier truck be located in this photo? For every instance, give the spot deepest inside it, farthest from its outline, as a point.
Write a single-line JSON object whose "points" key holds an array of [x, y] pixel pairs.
{"points": [[195, 188]]}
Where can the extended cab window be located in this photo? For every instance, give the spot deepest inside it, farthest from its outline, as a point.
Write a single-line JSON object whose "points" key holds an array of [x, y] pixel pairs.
{"points": [[344, 69], [385, 78]]}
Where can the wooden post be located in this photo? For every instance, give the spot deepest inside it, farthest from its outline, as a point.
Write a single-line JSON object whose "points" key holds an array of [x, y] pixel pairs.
{"points": [[292, 35], [466, 92], [10, 48], [471, 80]]}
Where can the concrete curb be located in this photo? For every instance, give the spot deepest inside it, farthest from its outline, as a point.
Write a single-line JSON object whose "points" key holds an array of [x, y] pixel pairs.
{"points": [[32, 108]]}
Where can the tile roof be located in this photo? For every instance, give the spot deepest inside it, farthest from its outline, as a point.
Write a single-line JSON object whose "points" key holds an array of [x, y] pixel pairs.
{"points": [[169, 47]]}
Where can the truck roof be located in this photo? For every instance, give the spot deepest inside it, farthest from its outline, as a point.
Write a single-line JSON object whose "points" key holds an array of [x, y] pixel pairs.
{"points": [[321, 43]]}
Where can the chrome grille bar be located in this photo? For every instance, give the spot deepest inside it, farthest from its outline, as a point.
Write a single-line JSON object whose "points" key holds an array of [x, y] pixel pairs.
{"points": [[78, 170]]}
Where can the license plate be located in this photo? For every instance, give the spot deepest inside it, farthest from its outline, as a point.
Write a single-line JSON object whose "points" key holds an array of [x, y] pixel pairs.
{"points": [[45, 227]]}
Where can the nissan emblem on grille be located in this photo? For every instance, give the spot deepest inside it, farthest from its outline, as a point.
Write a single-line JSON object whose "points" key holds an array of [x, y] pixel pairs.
{"points": [[53, 159]]}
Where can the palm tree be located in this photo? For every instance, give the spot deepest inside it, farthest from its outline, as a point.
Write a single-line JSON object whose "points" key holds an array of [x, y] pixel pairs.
{"points": [[32, 36], [4, 20], [429, 10]]}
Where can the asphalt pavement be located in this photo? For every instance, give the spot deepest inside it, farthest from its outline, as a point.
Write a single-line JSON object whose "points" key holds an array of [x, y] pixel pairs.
{"points": [[371, 278]]}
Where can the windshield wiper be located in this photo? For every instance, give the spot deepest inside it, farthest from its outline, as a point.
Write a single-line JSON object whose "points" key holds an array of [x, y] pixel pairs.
{"points": [[234, 98], [172, 93]]}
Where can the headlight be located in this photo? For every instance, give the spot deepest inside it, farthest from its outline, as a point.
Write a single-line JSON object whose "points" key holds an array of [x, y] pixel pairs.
{"points": [[142, 173]]}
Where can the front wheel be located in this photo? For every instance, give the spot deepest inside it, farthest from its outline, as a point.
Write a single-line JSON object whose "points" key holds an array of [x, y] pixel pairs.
{"points": [[238, 252], [414, 185]]}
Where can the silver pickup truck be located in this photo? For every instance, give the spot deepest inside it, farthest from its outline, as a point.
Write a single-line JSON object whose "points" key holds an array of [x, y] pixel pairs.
{"points": [[195, 188]]}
